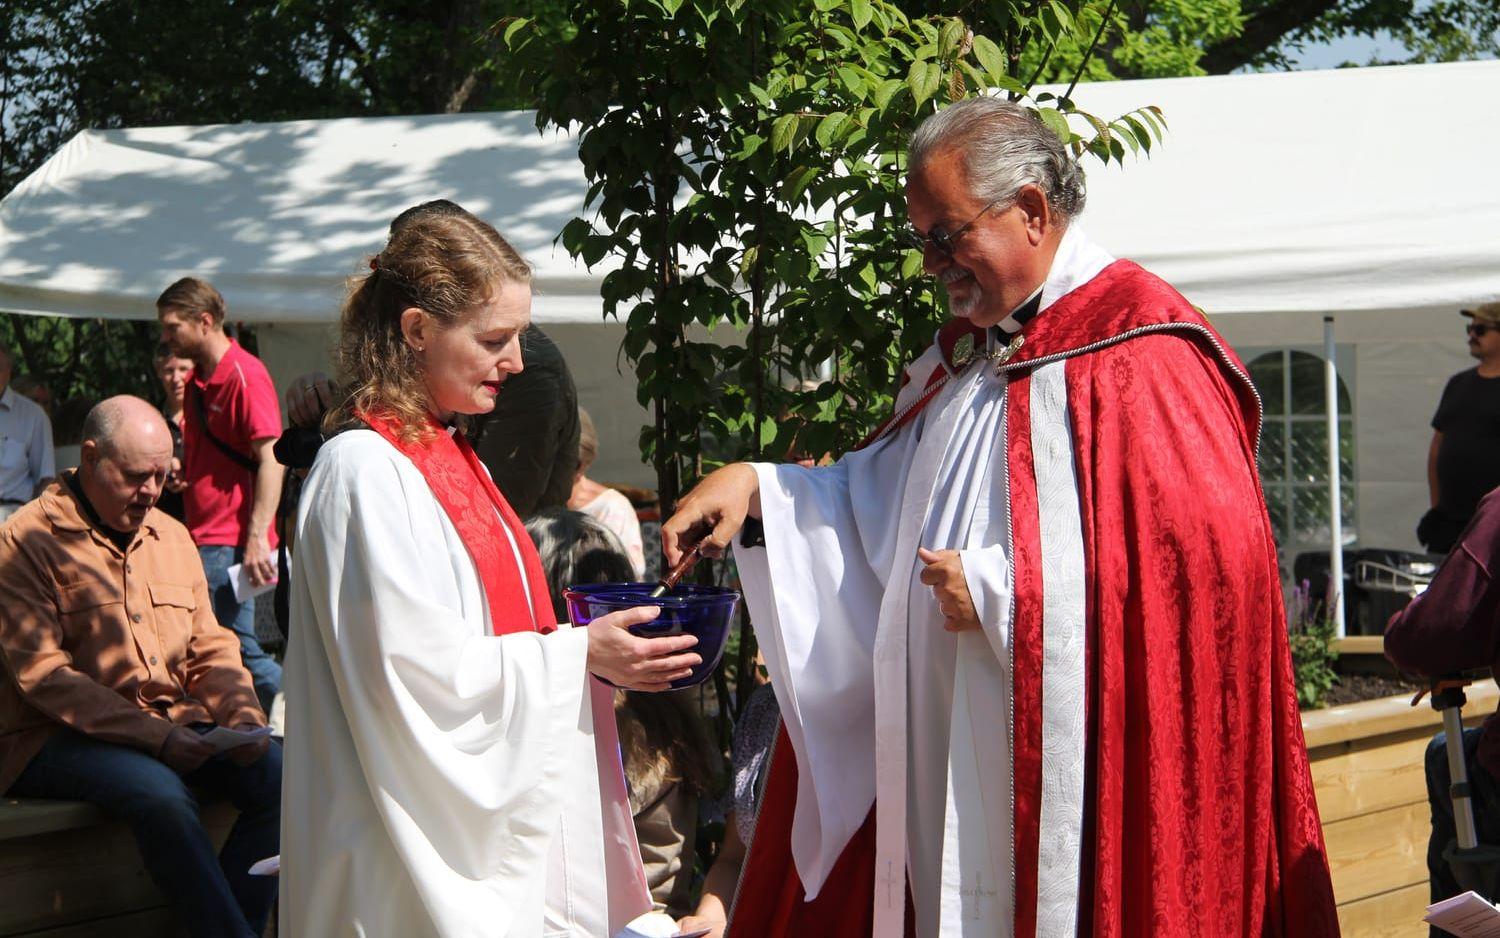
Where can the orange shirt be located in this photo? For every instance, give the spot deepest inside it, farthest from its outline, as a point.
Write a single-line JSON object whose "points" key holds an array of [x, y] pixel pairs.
{"points": [[119, 645]]}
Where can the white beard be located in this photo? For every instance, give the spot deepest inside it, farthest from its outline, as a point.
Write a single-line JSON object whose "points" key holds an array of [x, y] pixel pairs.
{"points": [[970, 303]]}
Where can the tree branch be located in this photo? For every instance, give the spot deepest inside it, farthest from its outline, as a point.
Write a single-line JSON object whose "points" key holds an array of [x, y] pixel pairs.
{"points": [[1264, 29], [349, 43], [462, 93], [1084, 62]]}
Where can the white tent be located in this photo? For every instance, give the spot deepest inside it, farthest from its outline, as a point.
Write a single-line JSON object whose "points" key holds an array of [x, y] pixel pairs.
{"points": [[1372, 194], [279, 215]]}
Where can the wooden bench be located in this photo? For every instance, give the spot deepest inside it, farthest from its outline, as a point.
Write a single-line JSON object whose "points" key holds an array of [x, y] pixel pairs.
{"points": [[69, 871]]}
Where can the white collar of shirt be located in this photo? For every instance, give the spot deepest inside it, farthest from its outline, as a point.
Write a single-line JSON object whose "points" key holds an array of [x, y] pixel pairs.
{"points": [[1078, 260], [8, 399]]}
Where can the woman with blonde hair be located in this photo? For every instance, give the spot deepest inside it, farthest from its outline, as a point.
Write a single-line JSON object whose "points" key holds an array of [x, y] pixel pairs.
{"points": [[451, 768]]}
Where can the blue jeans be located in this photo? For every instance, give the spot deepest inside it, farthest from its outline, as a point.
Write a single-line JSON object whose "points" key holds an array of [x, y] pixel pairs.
{"points": [[213, 896], [1484, 792], [239, 617]]}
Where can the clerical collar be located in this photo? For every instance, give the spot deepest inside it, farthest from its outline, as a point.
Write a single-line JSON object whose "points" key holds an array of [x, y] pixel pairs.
{"points": [[120, 539], [1000, 334]]}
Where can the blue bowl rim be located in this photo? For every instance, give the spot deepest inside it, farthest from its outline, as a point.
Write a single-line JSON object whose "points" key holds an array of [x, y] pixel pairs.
{"points": [[636, 594]]}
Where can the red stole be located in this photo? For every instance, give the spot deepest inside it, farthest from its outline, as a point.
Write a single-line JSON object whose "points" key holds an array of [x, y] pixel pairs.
{"points": [[482, 516]]}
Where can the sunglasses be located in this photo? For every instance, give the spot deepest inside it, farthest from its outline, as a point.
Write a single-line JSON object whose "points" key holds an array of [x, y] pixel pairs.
{"points": [[944, 241], [1479, 329]]}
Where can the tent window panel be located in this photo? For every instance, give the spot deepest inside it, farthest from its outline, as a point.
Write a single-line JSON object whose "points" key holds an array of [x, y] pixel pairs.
{"points": [[1266, 373], [1273, 451], [1293, 457], [1309, 452], [1309, 520], [1276, 505], [1305, 386]]}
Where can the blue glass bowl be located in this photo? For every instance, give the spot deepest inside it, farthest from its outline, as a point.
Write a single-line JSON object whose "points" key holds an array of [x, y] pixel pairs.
{"points": [[704, 611]]}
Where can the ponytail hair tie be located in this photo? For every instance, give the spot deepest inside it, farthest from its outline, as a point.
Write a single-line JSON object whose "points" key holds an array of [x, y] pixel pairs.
{"points": [[374, 263]]}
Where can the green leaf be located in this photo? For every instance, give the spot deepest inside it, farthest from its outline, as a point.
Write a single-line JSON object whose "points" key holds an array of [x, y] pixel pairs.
{"points": [[1156, 119], [911, 265], [670, 7], [747, 261], [1063, 15], [853, 81], [989, 56], [594, 248], [751, 145], [861, 11], [516, 25], [1055, 120], [952, 37], [923, 80], [816, 241], [829, 128], [1012, 85], [573, 234], [1138, 131], [797, 182], [783, 131], [886, 92]]}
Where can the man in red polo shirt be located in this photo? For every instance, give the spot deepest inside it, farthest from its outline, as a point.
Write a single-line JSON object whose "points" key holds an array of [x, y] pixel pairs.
{"points": [[231, 419]]}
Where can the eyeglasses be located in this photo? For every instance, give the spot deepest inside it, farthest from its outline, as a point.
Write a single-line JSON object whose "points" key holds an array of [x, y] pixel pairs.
{"points": [[1479, 329], [945, 242]]}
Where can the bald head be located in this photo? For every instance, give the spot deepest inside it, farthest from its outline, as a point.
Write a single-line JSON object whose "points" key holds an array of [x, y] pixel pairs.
{"points": [[122, 420], [126, 455]]}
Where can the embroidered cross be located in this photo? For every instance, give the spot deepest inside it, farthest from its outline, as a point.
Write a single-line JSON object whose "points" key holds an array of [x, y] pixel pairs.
{"points": [[978, 893]]}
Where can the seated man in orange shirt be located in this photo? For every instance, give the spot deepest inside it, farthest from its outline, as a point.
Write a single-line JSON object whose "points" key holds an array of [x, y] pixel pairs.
{"points": [[115, 668]]}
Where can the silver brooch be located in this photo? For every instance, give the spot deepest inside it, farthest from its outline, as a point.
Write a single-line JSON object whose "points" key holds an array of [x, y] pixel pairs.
{"points": [[1005, 354]]}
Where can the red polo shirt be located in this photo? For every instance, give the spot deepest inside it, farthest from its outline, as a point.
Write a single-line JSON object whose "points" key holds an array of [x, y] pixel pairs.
{"points": [[240, 403]]}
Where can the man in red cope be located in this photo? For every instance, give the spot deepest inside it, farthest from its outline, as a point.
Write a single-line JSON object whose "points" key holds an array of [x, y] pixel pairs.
{"points": [[1028, 641], [231, 419]]}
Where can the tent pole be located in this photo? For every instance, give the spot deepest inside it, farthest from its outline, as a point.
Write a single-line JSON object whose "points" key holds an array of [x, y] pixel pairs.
{"points": [[1335, 497]]}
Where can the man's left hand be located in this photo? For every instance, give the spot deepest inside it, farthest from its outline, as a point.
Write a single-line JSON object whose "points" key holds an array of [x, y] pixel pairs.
{"points": [[250, 753], [944, 572], [259, 562]]}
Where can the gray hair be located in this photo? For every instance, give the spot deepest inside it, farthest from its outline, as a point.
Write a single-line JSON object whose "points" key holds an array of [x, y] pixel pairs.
{"points": [[1004, 146]]}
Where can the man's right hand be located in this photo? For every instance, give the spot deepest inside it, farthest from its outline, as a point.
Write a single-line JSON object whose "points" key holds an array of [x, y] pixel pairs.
{"points": [[713, 512], [185, 750], [635, 663]]}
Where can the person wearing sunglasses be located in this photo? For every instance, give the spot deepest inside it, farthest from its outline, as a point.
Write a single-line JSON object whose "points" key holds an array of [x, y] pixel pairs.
{"points": [[1028, 642], [1463, 462]]}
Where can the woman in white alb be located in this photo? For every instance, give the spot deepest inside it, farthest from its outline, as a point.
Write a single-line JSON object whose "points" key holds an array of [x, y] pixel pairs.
{"points": [[451, 769]]}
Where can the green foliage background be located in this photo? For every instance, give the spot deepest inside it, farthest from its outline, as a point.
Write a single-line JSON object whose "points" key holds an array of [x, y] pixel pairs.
{"points": [[745, 162]]}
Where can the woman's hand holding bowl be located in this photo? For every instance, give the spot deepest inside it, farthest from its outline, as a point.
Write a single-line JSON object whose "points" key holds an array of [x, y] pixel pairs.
{"points": [[636, 663]]}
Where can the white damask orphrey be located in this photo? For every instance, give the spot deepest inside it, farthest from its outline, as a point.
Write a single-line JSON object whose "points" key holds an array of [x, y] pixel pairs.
{"points": [[1064, 718]]}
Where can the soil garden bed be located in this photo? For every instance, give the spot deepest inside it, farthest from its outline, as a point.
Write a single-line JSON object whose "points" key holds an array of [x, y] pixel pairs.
{"points": [[1352, 688]]}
